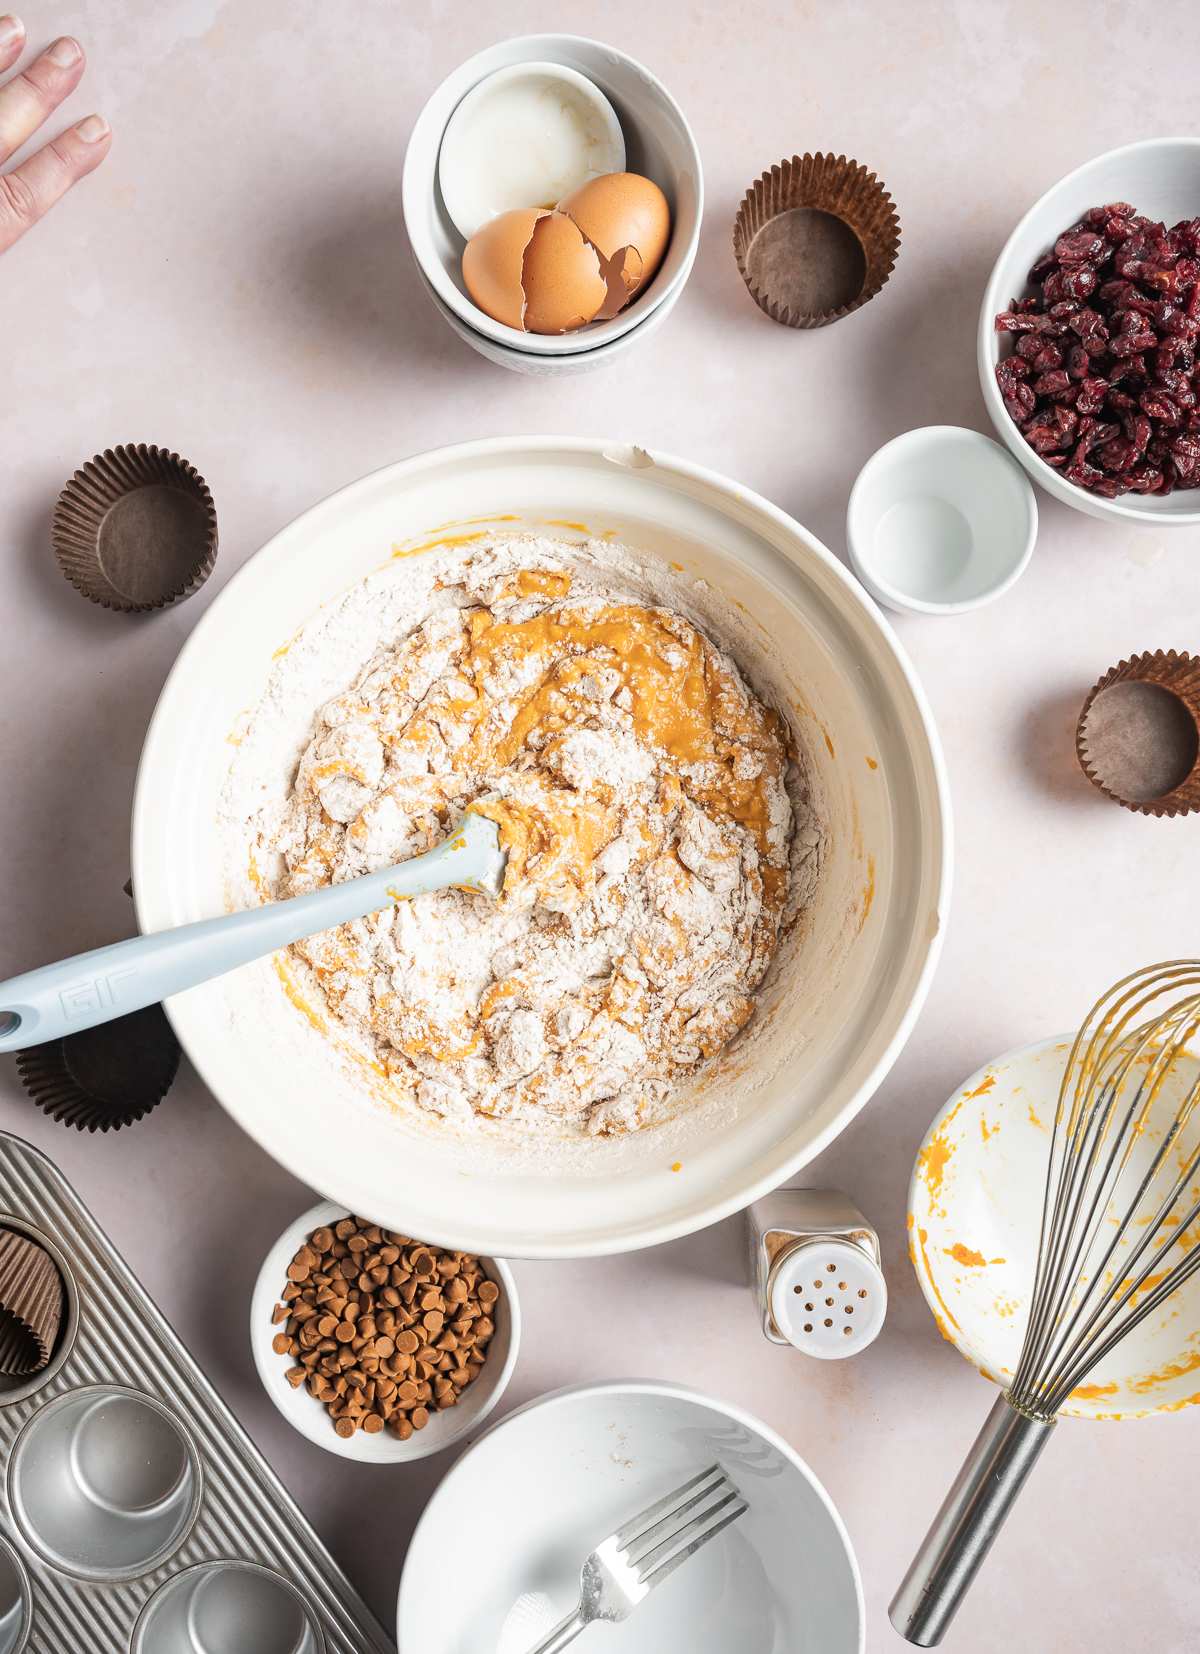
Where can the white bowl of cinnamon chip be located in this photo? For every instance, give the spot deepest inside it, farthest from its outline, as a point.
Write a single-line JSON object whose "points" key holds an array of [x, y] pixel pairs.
{"points": [[378, 1346]]}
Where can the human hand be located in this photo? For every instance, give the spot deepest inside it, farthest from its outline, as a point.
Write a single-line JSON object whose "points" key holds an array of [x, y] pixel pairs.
{"points": [[25, 102]]}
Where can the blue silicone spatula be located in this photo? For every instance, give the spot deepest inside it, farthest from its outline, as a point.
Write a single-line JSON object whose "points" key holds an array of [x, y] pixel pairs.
{"points": [[95, 987]]}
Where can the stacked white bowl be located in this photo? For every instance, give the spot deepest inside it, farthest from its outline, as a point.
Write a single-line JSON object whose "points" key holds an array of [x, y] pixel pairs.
{"points": [[658, 144]]}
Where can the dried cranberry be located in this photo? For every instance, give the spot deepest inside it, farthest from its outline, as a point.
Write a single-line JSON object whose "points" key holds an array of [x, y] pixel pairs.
{"points": [[1047, 383], [1126, 343], [1103, 433], [1081, 281], [1088, 324], [1050, 356], [1045, 263], [1127, 367], [1078, 468], [1110, 488], [1159, 406], [1138, 430], [1078, 361], [1144, 479], [1117, 455], [1091, 394], [1009, 321], [1080, 248]]}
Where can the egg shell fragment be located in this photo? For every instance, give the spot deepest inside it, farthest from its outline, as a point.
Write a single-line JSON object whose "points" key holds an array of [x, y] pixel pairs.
{"points": [[493, 262], [628, 221], [564, 287]]}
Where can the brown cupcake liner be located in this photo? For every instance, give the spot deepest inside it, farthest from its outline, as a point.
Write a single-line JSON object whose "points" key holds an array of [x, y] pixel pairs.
{"points": [[136, 529], [814, 239], [106, 1077], [1138, 737], [31, 1304]]}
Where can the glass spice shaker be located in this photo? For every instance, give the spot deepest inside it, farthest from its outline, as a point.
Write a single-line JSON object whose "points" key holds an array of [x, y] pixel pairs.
{"points": [[815, 1271]]}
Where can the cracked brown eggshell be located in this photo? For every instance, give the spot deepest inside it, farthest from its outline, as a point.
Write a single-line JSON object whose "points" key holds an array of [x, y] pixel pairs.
{"points": [[493, 260], [622, 213], [563, 285]]}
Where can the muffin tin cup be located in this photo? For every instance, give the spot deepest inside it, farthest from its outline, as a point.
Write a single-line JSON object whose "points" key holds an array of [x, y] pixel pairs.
{"points": [[16, 1602], [136, 529], [104, 1483], [1138, 737], [815, 239], [220, 1606], [134, 1510]]}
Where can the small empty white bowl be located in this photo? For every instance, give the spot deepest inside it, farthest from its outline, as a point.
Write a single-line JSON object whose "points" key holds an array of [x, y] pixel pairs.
{"points": [[311, 1417], [941, 520], [525, 137]]}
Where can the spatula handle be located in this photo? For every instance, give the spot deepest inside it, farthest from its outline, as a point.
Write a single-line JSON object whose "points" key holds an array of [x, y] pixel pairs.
{"points": [[95, 987]]}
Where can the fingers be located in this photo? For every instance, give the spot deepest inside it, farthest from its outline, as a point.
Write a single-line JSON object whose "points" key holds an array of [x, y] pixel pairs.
{"points": [[29, 97], [12, 40], [38, 183]]}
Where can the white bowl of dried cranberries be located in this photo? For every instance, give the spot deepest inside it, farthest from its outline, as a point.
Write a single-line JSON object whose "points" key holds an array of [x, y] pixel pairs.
{"points": [[1089, 336]]}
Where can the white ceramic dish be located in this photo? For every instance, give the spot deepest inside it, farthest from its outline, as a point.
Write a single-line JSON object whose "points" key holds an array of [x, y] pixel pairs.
{"points": [[975, 1212], [531, 1498], [658, 144], [848, 984], [466, 178], [1160, 177], [555, 367], [940, 520], [311, 1417]]}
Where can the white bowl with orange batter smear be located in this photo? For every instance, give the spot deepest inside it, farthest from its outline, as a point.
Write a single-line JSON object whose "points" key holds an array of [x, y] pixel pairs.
{"points": [[974, 1218], [847, 983]]}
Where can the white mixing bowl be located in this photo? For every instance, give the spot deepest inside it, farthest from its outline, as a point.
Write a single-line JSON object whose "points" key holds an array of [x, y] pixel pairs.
{"points": [[847, 983], [533, 1496]]}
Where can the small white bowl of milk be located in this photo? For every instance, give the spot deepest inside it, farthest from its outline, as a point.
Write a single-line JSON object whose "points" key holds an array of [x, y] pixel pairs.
{"points": [[525, 137]]}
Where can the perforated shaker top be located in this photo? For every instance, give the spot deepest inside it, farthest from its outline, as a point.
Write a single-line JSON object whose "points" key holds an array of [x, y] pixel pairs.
{"points": [[828, 1298]]}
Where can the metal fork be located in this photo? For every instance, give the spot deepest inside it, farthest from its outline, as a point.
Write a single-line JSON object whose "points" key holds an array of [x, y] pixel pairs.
{"points": [[631, 1562]]}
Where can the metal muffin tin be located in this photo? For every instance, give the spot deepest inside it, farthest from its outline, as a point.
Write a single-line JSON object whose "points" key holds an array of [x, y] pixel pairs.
{"points": [[135, 1513]]}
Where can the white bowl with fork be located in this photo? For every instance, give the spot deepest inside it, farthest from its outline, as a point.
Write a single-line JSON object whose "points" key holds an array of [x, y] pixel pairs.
{"points": [[540, 1490]]}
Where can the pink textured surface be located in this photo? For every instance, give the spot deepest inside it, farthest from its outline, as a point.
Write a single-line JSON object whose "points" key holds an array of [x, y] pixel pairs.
{"points": [[235, 283]]}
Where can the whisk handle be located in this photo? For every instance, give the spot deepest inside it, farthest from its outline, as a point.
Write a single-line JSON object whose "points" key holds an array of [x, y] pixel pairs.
{"points": [[1004, 1453]]}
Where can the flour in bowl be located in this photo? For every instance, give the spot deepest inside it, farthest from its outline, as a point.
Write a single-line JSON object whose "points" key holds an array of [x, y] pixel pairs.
{"points": [[640, 790]]}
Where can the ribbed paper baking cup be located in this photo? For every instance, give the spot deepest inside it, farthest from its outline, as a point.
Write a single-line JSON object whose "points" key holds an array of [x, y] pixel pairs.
{"points": [[814, 239], [106, 1077], [136, 529], [1138, 737], [31, 1304]]}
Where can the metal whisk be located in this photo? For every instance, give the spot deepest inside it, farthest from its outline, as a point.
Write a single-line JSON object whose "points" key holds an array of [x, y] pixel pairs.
{"points": [[1121, 1196]]}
